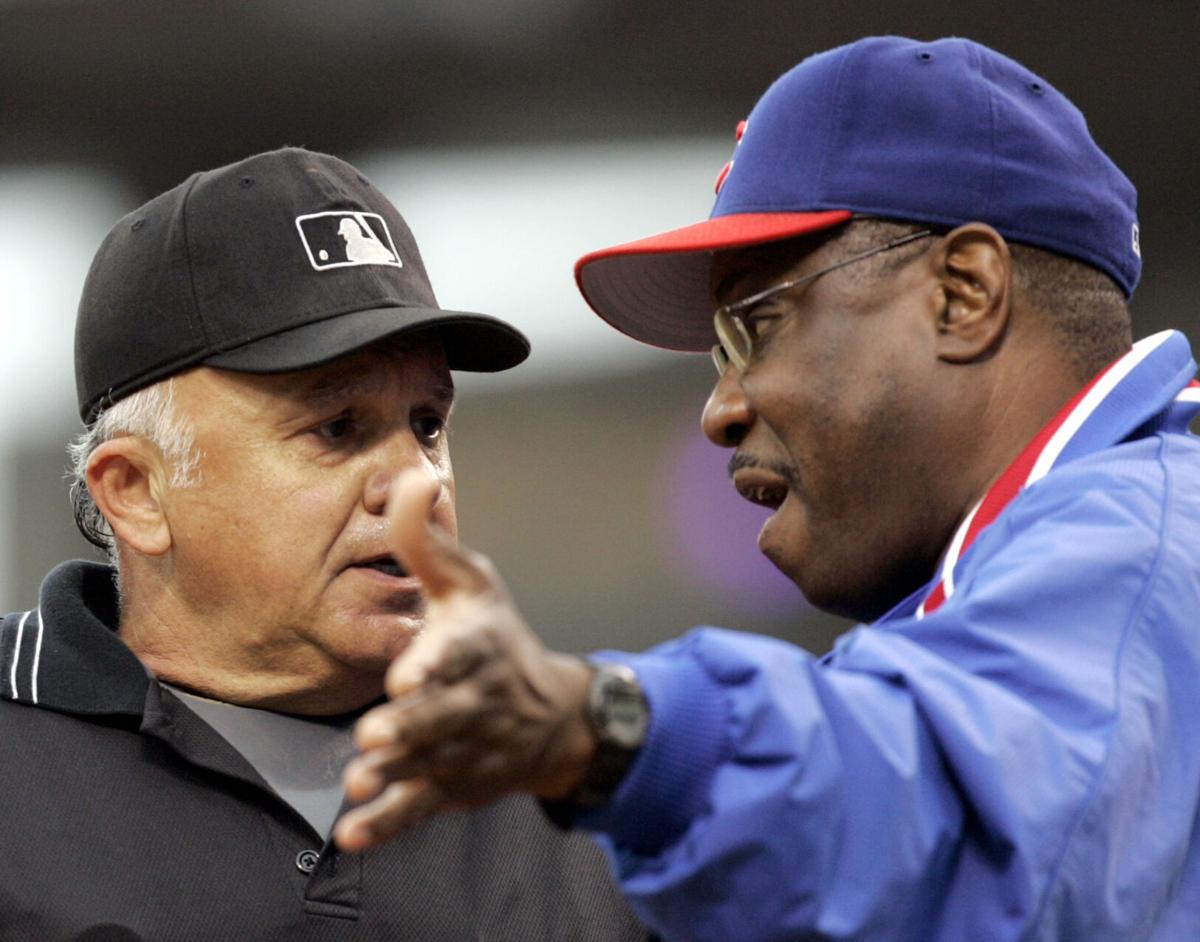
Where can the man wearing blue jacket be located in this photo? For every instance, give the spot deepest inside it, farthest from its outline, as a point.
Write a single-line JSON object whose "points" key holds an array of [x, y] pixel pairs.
{"points": [[919, 262]]}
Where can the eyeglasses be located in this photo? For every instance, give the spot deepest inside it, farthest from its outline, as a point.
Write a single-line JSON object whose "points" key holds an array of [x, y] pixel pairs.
{"points": [[736, 340]]}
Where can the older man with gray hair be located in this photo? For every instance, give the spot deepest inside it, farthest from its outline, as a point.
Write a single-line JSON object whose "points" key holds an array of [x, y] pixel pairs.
{"points": [[175, 724]]}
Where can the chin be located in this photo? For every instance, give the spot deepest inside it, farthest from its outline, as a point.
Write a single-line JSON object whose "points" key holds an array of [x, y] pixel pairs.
{"points": [[858, 602], [371, 641], [828, 590], [792, 565]]}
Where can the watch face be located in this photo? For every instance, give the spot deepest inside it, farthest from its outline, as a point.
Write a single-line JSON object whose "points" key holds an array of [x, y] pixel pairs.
{"points": [[628, 720], [619, 716], [621, 712]]}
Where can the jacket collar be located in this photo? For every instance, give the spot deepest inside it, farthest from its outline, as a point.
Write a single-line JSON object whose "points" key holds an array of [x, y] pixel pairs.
{"points": [[1148, 390]]}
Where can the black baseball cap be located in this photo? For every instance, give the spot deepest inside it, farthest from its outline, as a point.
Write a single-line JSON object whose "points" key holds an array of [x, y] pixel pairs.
{"points": [[282, 261]]}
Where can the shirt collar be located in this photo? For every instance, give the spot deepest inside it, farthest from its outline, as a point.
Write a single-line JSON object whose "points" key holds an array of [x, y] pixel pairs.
{"points": [[1150, 388], [66, 654]]}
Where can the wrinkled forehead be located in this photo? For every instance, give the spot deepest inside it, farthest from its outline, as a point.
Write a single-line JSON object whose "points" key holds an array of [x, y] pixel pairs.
{"points": [[414, 362]]}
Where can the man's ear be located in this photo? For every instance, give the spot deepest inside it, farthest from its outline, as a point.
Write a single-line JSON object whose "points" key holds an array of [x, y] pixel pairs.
{"points": [[127, 479], [975, 270]]}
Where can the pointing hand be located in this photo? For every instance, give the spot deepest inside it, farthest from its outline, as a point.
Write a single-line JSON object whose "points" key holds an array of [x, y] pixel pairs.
{"points": [[478, 706]]}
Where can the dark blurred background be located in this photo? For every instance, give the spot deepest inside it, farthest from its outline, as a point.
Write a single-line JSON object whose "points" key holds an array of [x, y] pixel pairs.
{"points": [[514, 135]]}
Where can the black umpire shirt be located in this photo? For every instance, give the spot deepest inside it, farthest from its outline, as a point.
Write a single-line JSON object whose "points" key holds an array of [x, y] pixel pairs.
{"points": [[124, 816]]}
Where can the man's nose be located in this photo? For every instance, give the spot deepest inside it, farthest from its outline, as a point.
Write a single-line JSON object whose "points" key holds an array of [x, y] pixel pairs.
{"points": [[727, 414], [399, 456]]}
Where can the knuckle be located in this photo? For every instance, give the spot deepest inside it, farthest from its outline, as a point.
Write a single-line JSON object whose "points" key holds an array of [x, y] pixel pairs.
{"points": [[496, 682], [486, 640], [504, 725], [471, 700], [460, 657], [491, 766], [443, 769], [477, 560]]}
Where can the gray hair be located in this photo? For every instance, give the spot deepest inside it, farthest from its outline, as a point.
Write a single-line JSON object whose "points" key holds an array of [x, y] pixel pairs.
{"points": [[149, 413]]}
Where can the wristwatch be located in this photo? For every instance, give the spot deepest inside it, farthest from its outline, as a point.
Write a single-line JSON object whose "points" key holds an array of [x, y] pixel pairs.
{"points": [[619, 716]]}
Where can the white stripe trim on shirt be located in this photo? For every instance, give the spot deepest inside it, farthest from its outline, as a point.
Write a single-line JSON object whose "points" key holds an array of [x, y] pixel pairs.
{"points": [[17, 653], [1058, 442], [951, 559], [37, 655], [1087, 405]]}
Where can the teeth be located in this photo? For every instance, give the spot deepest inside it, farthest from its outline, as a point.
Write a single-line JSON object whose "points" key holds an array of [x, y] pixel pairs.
{"points": [[766, 496], [765, 490]]}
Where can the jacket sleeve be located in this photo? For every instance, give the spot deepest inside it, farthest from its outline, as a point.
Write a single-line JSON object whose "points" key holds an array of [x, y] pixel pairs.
{"points": [[920, 781]]}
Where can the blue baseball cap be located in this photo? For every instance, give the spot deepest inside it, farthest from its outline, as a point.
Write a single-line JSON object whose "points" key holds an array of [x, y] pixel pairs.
{"points": [[942, 133]]}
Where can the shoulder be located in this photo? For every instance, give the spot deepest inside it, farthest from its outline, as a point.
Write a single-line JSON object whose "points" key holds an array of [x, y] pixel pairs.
{"points": [[1089, 563], [1092, 539], [1120, 508]]}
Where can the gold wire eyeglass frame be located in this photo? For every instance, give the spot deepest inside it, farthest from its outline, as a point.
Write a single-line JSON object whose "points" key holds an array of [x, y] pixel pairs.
{"points": [[736, 342]]}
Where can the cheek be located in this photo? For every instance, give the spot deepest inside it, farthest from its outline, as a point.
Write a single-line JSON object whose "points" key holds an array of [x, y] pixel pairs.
{"points": [[316, 511], [807, 406], [252, 525]]}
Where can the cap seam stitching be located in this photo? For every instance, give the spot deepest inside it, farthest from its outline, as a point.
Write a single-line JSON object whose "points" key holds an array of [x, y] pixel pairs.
{"points": [[833, 121], [198, 321], [992, 122]]}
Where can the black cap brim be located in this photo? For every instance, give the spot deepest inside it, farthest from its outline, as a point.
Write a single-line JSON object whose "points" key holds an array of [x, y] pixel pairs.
{"points": [[473, 342]]}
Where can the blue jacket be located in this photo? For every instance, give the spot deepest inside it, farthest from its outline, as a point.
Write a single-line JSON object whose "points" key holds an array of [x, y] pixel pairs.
{"points": [[1012, 753]]}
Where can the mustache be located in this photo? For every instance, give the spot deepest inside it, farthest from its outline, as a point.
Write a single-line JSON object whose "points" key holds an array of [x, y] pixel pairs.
{"points": [[786, 471]]}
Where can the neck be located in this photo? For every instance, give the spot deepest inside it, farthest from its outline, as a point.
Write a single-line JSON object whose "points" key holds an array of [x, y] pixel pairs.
{"points": [[1032, 383]]}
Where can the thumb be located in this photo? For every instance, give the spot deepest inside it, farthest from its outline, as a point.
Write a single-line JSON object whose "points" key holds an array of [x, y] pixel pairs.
{"points": [[426, 549]]}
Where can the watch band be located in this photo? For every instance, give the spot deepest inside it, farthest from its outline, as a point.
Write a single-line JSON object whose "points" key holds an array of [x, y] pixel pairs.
{"points": [[619, 717]]}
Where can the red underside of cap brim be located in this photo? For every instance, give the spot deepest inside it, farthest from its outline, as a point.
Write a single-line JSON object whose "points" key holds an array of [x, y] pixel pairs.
{"points": [[656, 289]]}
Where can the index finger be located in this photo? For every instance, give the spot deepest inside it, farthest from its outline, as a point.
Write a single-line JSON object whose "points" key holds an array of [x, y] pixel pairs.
{"points": [[425, 549]]}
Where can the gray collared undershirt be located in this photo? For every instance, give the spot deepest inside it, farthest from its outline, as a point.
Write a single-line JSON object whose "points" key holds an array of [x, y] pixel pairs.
{"points": [[300, 757]]}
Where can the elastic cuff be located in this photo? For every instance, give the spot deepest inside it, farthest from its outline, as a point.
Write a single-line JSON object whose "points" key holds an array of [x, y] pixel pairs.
{"points": [[667, 786]]}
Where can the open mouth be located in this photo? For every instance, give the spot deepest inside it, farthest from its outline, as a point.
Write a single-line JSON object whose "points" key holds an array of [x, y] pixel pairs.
{"points": [[767, 496], [760, 487], [388, 565]]}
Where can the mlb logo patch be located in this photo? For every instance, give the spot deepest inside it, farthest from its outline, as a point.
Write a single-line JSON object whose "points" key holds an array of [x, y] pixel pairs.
{"points": [[338, 239]]}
